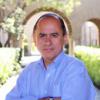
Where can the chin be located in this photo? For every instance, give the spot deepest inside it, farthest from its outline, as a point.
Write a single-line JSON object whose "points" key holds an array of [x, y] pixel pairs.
{"points": [[49, 57]]}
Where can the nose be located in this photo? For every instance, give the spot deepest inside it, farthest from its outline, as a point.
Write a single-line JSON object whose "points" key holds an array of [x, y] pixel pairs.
{"points": [[48, 40]]}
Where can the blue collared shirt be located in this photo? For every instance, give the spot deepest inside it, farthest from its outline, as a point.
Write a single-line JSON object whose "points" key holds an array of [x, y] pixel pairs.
{"points": [[65, 77]]}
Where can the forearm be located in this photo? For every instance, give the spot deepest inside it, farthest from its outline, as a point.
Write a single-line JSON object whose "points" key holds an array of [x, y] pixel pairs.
{"points": [[22, 98], [33, 98], [49, 98]]}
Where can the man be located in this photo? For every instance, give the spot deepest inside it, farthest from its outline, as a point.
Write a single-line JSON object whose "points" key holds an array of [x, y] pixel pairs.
{"points": [[56, 76]]}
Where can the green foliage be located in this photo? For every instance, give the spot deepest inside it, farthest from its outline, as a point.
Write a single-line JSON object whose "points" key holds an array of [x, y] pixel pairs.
{"points": [[9, 63], [13, 23], [65, 6], [2, 2], [91, 57]]}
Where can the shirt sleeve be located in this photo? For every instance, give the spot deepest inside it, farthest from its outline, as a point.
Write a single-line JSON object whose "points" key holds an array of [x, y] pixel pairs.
{"points": [[20, 91], [77, 84], [24, 98]]}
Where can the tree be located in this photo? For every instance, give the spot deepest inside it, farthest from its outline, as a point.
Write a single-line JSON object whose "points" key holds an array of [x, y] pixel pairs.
{"points": [[66, 6], [13, 24]]}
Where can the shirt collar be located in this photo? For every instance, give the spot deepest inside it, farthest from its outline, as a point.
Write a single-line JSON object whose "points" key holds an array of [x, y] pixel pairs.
{"points": [[59, 59], [56, 61]]}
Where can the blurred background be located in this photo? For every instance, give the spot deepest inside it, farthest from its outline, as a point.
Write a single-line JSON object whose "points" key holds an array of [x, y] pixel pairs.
{"points": [[17, 19]]}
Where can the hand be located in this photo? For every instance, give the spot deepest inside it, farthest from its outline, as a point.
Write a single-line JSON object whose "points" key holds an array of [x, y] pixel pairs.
{"points": [[57, 98], [45, 98]]}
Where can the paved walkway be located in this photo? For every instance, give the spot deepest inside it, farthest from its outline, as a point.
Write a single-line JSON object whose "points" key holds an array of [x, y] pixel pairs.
{"points": [[97, 94], [12, 81], [7, 87]]}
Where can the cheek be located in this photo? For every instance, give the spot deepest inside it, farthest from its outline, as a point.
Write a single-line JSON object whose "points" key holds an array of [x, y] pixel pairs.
{"points": [[59, 42], [58, 45], [40, 45]]}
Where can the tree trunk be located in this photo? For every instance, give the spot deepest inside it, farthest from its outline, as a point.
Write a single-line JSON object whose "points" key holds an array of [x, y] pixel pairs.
{"points": [[7, 44]]}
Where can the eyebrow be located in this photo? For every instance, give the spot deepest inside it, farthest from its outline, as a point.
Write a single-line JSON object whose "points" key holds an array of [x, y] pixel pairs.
{"points": [[41, 34], [49, 33]]}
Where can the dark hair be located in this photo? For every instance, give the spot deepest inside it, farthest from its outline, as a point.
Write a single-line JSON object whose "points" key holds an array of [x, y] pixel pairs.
{"points": [[54, 16]]}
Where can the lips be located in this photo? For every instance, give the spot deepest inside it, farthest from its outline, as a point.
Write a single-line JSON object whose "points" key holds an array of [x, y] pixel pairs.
{"points": [[48, 49]]}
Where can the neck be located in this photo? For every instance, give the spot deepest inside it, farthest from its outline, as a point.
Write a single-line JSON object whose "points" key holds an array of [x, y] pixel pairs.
{"points": [[47, 62]]}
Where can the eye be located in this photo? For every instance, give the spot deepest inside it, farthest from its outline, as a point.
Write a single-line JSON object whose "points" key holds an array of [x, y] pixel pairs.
{"points": [[41, 35], [55, 34]]}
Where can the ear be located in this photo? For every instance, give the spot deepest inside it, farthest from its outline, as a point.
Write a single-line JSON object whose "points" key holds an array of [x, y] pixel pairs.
{"points": [[66, 39]]}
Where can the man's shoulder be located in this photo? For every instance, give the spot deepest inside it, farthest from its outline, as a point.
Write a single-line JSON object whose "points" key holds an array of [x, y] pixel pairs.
{"points": [[70, 58], [73, 61]]}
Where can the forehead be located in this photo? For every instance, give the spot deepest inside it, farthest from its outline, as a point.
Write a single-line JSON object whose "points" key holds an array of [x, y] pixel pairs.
{"points": [[48, 21]]}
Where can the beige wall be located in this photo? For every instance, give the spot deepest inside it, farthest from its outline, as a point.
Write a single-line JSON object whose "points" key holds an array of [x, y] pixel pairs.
{"points": [[87, 10]]}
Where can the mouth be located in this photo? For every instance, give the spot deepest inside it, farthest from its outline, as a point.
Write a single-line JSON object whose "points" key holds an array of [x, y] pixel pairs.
{"points": [[48, 49]]}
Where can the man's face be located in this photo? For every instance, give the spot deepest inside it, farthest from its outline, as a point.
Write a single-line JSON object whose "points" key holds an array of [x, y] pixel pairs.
{"points": [[49, 38]]}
